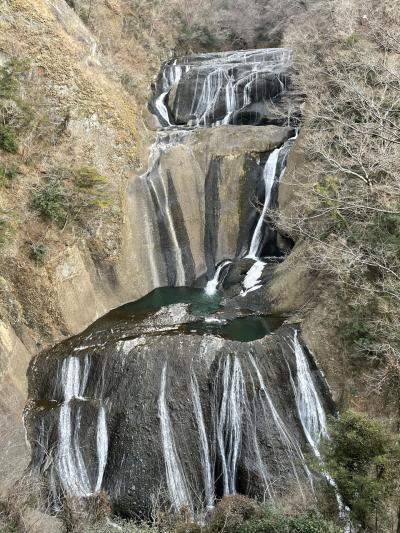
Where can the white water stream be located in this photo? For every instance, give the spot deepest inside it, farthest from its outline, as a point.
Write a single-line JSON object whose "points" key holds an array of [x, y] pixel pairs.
{"points": [[229, 422], [252, 278], [205, 455], [312, 416], [269, 180], [212, 285], [102, 446], [176, 481], [292, 447], [70, 463]]}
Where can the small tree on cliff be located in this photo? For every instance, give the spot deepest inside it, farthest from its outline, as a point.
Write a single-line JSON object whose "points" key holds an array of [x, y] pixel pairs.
{"points": [[364, 459]]}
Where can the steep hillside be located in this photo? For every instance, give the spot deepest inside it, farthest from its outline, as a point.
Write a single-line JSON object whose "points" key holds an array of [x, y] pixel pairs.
{"points": [[74, 132], [339, 199]]}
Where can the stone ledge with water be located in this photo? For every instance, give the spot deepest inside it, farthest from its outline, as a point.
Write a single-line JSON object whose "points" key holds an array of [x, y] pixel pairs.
{"points": [[129, 407]]}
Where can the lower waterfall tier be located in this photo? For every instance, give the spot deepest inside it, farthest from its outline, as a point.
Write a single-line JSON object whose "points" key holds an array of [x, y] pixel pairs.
{"points": [[146, 404]]}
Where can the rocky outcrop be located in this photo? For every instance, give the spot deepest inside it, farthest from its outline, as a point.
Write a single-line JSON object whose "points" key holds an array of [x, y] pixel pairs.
{"points": [[15, 358], [195, 204], [148, 413], [242, 87]]}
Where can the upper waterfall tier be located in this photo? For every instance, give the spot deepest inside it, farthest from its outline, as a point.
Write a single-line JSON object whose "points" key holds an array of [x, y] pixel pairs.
{"points": [[241, 87]]}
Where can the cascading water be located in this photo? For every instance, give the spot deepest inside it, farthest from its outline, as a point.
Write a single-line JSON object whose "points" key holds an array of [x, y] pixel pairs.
{"points": [[313, 417], [102, 446], [205, 91], [160, 198], [229, 422], [269, 177], [309, 407], [238, 432], [212, 285], [224, 86], [251, 281], [217, 418], [170, 77], [177, 485], [292, 447], [269, 180], [206, 459], [70, 463], [252, 278]]}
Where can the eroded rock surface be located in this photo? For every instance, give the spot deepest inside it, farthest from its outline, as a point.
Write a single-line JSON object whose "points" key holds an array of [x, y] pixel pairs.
{"points": [[138, 408]]}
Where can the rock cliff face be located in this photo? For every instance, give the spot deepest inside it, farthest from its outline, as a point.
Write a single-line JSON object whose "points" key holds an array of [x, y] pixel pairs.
{"points": [[188, 403], [144, 408], [193, 208], [82, 116]]}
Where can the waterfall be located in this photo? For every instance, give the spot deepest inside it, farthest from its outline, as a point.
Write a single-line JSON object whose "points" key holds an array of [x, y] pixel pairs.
{"points": [[170, 77], [165, 209], [205, 456], [102, 446], [235, 446], [234, 420], [224, 81], [269, 179], [312, 417], [309, 407], [292, 447], [70, 463], [205, 91], [250, 282], [212, 285], [176, 481], [159, 193], [205, 110], [162, 108], [229, 422], [251, 433]]}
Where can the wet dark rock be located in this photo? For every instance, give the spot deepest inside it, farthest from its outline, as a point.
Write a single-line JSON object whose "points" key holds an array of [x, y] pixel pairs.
{"points": [[125, 375], [243, 87]]}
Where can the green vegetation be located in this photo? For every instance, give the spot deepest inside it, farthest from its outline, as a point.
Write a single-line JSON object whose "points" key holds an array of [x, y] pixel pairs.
{"points": [[15, 114], [70, 194], [10, 76], [233, 514], [364, 459], [88, 183], [8, 139], [88, 178], [39, 252], [239, 514], [8, 173], [7, 226], [275, 522], [51, 200]]}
